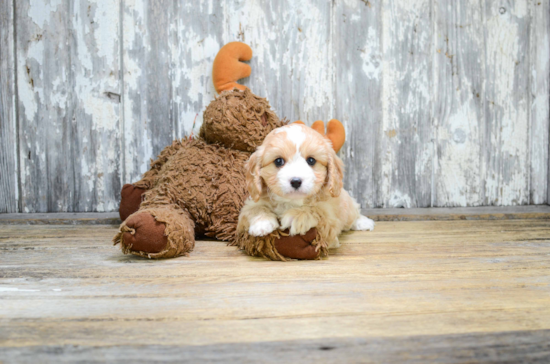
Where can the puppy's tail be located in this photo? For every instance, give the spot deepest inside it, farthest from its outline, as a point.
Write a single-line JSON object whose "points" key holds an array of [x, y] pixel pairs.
{"points": [[227, 67], [336, 132]]}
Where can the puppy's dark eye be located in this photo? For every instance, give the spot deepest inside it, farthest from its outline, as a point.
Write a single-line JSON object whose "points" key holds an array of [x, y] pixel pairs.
{"points": [[311, 161], [279, 162]]}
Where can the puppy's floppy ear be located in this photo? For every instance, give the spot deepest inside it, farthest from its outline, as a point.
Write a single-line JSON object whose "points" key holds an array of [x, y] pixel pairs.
{"points": [[335, 174], [254, 182]]}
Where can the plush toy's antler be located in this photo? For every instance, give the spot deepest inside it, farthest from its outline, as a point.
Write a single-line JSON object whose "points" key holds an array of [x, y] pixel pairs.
{"points": [[227, 69], [335, 132]]}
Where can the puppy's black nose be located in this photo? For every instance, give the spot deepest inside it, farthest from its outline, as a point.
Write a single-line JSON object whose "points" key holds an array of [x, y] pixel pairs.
{"points": [[296, 183]]}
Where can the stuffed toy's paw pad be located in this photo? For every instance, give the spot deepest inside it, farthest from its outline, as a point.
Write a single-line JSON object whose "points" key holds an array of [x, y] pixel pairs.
{"points": [[144, 233], [298, 246]]}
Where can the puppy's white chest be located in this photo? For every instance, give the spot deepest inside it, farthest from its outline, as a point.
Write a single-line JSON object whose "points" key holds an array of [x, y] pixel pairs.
{"points": [[282, 207]]}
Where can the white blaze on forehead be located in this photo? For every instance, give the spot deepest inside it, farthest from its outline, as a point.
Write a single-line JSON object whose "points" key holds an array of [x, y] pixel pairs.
{"points": [[295, 134]]}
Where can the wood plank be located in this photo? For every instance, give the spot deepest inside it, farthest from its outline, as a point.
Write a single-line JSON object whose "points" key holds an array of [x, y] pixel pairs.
{"points": [[8, 128], [148, 126], [458, 213], [69, 92], [168, 50], [62, 218], [198, 36], [459, 116], [507, 73], [406, 150], [396, 214], [292, 64], [448, 284], [516, 346], [357, 54], [539, 59]]}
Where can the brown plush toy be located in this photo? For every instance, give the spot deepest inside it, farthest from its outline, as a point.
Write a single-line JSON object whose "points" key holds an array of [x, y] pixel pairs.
{"points": [[197, 186]]}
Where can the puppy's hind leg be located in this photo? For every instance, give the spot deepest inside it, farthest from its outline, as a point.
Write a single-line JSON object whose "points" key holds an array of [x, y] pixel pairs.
{"points": [[363, 223]]}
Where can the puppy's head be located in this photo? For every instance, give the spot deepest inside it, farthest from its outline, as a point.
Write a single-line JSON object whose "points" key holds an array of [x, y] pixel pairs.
{"points": [[294, 162]]}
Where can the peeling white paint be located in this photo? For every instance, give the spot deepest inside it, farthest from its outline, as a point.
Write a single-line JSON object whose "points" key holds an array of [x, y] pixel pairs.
{"points": [[485, 147], [40, 11]]}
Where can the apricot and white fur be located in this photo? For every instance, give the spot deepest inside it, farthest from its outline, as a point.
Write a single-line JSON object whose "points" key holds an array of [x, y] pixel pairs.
{"points": [[320, 201]]}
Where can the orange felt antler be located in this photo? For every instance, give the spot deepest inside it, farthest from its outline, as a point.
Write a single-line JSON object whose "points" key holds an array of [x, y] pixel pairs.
{"points": [[336, 132], [227, 69]]}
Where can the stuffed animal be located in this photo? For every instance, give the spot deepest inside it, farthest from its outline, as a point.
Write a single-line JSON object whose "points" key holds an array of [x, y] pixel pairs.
{"points": [[197, 185]]}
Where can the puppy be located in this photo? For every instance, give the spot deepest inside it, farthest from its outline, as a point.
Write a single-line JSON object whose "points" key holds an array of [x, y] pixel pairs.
{"points": [[295, 182]]}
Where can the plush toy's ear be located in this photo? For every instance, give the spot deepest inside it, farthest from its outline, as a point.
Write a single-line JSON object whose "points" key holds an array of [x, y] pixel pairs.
{"points": [[253, 179], [227, 69], [336, 133], [319, 126]]}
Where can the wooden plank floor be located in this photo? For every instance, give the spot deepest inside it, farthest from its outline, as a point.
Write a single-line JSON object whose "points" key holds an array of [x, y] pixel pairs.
{"points": [[411, 291]]}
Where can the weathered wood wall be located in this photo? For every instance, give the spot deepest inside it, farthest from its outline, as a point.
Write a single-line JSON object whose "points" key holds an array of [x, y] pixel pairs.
{"points": [[446, 103]]}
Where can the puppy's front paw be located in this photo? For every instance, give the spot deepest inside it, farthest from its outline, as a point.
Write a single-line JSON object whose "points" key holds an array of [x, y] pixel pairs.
{"points": [[299, 222], [262, 227], [363, 223]]}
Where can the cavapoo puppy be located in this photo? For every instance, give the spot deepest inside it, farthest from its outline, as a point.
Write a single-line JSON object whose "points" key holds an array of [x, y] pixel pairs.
{"points": [[295, 182]]}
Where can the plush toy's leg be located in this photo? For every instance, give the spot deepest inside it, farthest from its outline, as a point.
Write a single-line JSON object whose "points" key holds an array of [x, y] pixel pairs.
{"points": [[130, 199], [157, 232], [279, 245], [298, 246], [130, 196]]}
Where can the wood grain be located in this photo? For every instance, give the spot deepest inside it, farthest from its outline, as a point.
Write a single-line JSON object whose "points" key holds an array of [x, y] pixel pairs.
{"points": [[539, 60], [406, 148], [459, 116], [506, 103], [292, 64], [148, 124], [69, 92], [8, 129], [445, 103], [405, 282], [517, 346], [357, 58]]}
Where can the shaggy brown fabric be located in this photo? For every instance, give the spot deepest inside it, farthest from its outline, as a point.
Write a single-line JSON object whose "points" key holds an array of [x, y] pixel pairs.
{"points": [[130, 199], [296, 247], [239, 120], [150, 177], [206, 181]]}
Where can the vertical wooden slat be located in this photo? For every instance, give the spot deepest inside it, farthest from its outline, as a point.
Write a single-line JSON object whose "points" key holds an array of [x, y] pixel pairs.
{"points": [[357, 56], [95, 66], [198, 31], [8, 130], [405, 179], [168, 50], [539, 64], [45, 115], [68, 87], [148, 121], [292, 64], [459, 117], [506, 142]]}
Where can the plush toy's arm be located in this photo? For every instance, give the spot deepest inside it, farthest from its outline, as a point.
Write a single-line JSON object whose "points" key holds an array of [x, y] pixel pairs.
{"points": [[227, 67]]}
